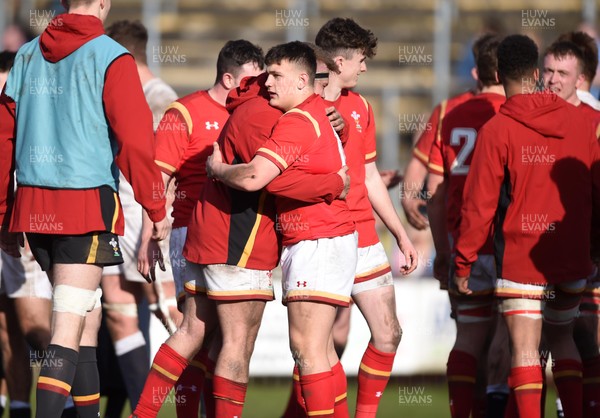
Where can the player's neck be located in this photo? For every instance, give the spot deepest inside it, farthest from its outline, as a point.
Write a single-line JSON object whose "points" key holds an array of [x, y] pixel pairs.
{"points": [[218, 93], [300, 98], [144, 73], [495, 89], [574, 99], [585, 86]]}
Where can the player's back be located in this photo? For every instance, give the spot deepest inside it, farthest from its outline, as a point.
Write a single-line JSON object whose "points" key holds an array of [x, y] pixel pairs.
{"points": [[435, 124], [545, 206], [451, 155]]}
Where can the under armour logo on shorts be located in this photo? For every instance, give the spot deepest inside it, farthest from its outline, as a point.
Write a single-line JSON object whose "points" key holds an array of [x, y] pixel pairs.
{"points": [[298, 284]]}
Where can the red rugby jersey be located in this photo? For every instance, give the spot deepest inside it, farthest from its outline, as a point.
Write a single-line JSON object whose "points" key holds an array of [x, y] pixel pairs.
{"points": [[434, 125], [535, 174], [184, 141], [593, 115], [452, 152], [304, 139], [229, 226], [360, 149]]}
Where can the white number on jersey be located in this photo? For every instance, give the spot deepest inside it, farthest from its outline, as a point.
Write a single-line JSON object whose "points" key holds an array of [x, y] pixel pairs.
{"points": [[459, 167]]}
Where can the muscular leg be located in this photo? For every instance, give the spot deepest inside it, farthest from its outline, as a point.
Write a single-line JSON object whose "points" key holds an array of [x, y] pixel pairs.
{"points": [[239, 322], [378, 306], [559, 314], [498, 368], [526, 375], [310, 326], [54, 383], [172, 358], [86, 384], [341, 329]]}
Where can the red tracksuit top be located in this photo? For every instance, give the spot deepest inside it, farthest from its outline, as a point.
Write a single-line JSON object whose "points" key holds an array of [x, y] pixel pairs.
{"points": [[535, 174]]}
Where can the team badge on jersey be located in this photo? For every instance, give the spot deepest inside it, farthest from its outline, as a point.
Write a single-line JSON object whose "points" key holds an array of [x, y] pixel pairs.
{"points": [[214, 125], [356, 117]]}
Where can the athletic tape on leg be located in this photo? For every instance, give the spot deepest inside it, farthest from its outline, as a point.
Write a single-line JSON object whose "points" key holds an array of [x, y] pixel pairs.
{"points": [[127, 309], [74, 300]]}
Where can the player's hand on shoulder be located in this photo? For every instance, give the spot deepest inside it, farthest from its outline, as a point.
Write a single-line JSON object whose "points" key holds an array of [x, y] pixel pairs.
{"points": [[411, 259], [343, 173], [336, 119]]}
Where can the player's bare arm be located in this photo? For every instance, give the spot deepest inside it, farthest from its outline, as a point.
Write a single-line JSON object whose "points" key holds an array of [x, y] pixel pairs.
{"points": [[248, 177], [436, 209], [382, 204], [414, 179]]}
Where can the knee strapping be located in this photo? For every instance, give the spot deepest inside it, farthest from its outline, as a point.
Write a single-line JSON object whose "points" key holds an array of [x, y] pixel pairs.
{"points": [[74, 300], [126, 309]]}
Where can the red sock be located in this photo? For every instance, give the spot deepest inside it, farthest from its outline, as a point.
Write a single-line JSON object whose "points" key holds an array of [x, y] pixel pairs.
{"points": [[229, 397], [591, 387], [373, 376], [188, 388], [295, 407], [527, 385], [567, 377], [341, 391], [319, 394], [166, 369], [209, 398], [462, 373], [511, 410]]}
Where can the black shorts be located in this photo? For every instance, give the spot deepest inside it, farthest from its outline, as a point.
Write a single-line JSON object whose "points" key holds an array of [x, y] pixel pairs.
{"points": [[98, 248]]}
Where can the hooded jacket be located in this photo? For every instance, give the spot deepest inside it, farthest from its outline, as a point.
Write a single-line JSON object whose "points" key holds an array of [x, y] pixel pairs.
{"points": [[535, 175], [130, 120]]}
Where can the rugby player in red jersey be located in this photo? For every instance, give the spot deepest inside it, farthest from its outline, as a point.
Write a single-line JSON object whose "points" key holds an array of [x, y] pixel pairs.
{"points": [[449, 162], [571, 68], [563, 74], [184, 140], [373, 292], [534, 176], [318, 257], [242, 244]]}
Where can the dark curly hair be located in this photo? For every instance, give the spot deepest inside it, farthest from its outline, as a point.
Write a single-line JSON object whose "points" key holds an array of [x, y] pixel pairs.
{"points": [[339, 36], [588, 48], [517, 58]]}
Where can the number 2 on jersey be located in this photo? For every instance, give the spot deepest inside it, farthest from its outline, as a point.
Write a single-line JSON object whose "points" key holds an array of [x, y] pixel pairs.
{"points": [[459, 167]]}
